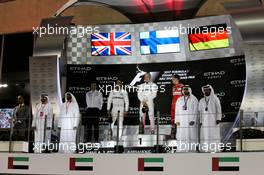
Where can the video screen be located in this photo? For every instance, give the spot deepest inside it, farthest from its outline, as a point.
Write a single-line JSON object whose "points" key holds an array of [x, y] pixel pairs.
{"points": [[5, 118]]}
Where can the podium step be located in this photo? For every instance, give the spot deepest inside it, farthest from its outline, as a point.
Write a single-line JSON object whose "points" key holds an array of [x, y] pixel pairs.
{"points": [[108, 144], [142, 140], [16, 146]]}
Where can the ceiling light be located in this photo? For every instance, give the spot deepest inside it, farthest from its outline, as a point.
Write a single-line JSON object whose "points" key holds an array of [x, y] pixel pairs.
{"points": [[3, 85]]}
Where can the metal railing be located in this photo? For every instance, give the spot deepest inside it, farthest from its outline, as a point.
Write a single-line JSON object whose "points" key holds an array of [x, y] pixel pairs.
{"points": [[246, 133]]}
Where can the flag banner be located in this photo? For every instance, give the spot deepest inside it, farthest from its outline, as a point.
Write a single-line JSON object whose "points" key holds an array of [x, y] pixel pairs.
{"points": [[150, 164], [111, 44], [81, 164], [155, 42], [225, 164], [208, 37], [20, 163]]}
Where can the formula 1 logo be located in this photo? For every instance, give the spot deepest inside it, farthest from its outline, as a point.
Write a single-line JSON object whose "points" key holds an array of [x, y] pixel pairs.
{"points": [[139, 78]]}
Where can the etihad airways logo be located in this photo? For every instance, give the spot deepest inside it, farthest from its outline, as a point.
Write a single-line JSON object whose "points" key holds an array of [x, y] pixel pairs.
{"points": [[220, 94], [238, 83], [78, 89], [238, 61], [235, 104], [106, 78], [80, 70], [214, 75]]}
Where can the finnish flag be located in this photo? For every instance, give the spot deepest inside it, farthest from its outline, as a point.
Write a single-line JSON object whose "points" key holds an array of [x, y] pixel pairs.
{"points": [[163, 41]]}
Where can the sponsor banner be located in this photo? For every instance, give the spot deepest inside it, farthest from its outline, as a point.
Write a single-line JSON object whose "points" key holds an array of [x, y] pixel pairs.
{"points": [[226, 78]]}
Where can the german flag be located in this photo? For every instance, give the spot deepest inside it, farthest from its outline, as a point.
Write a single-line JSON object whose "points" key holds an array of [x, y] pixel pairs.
{"points": [[208, 37], [18, 163]]}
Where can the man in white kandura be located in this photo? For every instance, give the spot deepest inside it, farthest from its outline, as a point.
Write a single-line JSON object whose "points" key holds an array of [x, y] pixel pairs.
{"points": [[210, 117], [68, 123], [146, 94], [42, 123], [118, 98], [186, 120]]}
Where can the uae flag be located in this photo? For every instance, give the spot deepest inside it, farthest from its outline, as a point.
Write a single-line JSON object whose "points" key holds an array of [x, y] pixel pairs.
{"points": [[81, 164], [208, 37], [225, 164], [20, 163], [150, 164]]}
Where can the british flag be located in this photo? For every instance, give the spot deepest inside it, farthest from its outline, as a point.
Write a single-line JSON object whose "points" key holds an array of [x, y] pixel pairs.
{"points": [[113, 43]]}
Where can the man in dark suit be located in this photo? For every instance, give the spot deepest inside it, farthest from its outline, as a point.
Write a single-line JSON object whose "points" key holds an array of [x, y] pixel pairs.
{"points": [[20, 120]]}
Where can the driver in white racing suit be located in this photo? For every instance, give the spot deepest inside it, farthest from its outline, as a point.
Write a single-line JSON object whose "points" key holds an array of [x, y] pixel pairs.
{"points": [[118, 99], [146, 94]]}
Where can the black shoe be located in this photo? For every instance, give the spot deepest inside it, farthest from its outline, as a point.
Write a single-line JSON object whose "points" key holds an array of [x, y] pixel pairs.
{"points": [[173, 134]]}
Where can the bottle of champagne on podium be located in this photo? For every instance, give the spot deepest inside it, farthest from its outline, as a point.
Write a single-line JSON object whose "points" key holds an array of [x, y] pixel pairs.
{"points": [[141, 126], [173, 131]]}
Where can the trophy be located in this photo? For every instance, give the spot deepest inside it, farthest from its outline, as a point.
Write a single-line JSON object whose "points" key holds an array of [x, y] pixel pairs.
{"points": [[141, 127]]}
